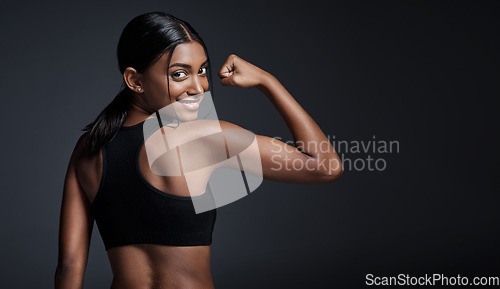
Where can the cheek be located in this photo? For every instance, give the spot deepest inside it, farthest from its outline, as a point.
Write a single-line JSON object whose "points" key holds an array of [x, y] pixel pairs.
{"points": [[176, 89], [205, 84], [156, 87]]}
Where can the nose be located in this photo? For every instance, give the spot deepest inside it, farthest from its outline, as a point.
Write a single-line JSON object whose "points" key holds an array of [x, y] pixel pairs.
{"points": [[196, 86]]}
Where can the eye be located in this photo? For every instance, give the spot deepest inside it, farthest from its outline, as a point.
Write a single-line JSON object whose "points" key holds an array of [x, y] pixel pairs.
{"points": [[203, 70], [179, 74]]}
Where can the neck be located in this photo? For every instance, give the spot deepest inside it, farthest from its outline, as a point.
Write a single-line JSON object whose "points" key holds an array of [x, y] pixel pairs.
{"points": [[135, 115]]}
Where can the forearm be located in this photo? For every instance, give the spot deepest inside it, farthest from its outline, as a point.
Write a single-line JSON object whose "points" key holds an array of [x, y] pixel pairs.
{"points": [[312, 146], [307, 134], [68, 277]]}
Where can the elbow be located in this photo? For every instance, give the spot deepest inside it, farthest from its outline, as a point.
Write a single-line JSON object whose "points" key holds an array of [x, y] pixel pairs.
{"points": [[68, 276], [70, 265], [334, 171], [64, 269], [333, 176]]}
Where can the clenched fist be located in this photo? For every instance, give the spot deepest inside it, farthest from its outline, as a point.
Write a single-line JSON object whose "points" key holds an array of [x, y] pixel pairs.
{"points": [[240, 73]]}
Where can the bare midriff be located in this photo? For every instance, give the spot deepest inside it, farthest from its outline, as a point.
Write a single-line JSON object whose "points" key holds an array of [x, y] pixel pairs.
{"points": [[148, 266]]}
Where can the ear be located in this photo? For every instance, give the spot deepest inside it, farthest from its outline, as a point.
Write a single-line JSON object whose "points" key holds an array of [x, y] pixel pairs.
{"points": [[133, 79]]}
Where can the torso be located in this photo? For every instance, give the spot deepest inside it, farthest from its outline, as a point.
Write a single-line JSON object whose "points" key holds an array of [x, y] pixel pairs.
{"points": [[150, 265]]}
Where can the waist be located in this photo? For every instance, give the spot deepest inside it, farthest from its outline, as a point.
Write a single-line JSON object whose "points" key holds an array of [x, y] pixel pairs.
{"points": [[161, 266]]}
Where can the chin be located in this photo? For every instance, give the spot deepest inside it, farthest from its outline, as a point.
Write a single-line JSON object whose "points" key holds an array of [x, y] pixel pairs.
{"points": [[181, 111], [187, 112], [187, 116], [178, 111]]}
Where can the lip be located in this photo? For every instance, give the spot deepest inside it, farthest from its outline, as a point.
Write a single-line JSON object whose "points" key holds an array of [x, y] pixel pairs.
{"points": [[191, 103], [192, 98]]}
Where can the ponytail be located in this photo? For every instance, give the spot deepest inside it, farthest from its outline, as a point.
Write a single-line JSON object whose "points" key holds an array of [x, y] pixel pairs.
{"points": [[108, 122]]}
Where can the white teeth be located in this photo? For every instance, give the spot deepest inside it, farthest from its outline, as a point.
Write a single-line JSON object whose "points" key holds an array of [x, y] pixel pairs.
{"points": [[192, 105], [193, 99]]}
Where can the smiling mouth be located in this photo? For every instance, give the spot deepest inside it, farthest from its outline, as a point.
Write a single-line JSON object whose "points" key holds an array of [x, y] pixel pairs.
{"points": [[192, 102], [191, 99]]}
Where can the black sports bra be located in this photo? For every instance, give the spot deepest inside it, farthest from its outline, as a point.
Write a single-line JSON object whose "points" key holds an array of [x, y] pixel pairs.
{"points": [[129, 210]]}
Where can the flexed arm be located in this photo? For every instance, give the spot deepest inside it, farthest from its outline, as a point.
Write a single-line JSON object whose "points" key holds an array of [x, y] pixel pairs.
{"points": [[314, 159]]}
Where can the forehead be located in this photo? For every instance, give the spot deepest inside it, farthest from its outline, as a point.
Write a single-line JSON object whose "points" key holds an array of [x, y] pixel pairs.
{"points": [[191, 53]]}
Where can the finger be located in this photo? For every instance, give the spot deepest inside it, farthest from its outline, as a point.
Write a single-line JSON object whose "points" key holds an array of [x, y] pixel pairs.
{"points": [[225, 71], [227, 68], [227, 81]]}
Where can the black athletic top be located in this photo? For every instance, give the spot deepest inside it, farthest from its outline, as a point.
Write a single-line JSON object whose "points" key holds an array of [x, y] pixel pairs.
{"points": [[129, 210]]}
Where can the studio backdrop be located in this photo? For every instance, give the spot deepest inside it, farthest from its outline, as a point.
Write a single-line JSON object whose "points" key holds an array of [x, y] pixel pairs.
{"points": [[405, 92]]}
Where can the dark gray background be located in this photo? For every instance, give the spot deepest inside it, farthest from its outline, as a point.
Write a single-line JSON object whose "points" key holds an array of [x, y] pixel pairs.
{"points": [[422, 73]]}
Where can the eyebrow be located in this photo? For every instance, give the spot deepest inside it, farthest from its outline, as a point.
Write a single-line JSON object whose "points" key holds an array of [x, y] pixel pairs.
{"points": [[186, 65]]}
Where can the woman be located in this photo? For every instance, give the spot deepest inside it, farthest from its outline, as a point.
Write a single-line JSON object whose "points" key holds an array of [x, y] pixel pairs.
{"points": [[155, 239]]}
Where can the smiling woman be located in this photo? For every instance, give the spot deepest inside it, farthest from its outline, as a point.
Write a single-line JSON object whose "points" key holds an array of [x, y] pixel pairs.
{"points": [[181, 85], [152, 234]]}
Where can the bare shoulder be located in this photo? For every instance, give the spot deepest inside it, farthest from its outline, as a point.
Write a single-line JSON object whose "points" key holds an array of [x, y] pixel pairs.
{"points": [[236, 137], [88, 167], [81, 153], [226, 125], [237, 131]]}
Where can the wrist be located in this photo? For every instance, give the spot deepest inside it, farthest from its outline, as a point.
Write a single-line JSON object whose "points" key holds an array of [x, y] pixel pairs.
{"points": [[266, 80]]}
